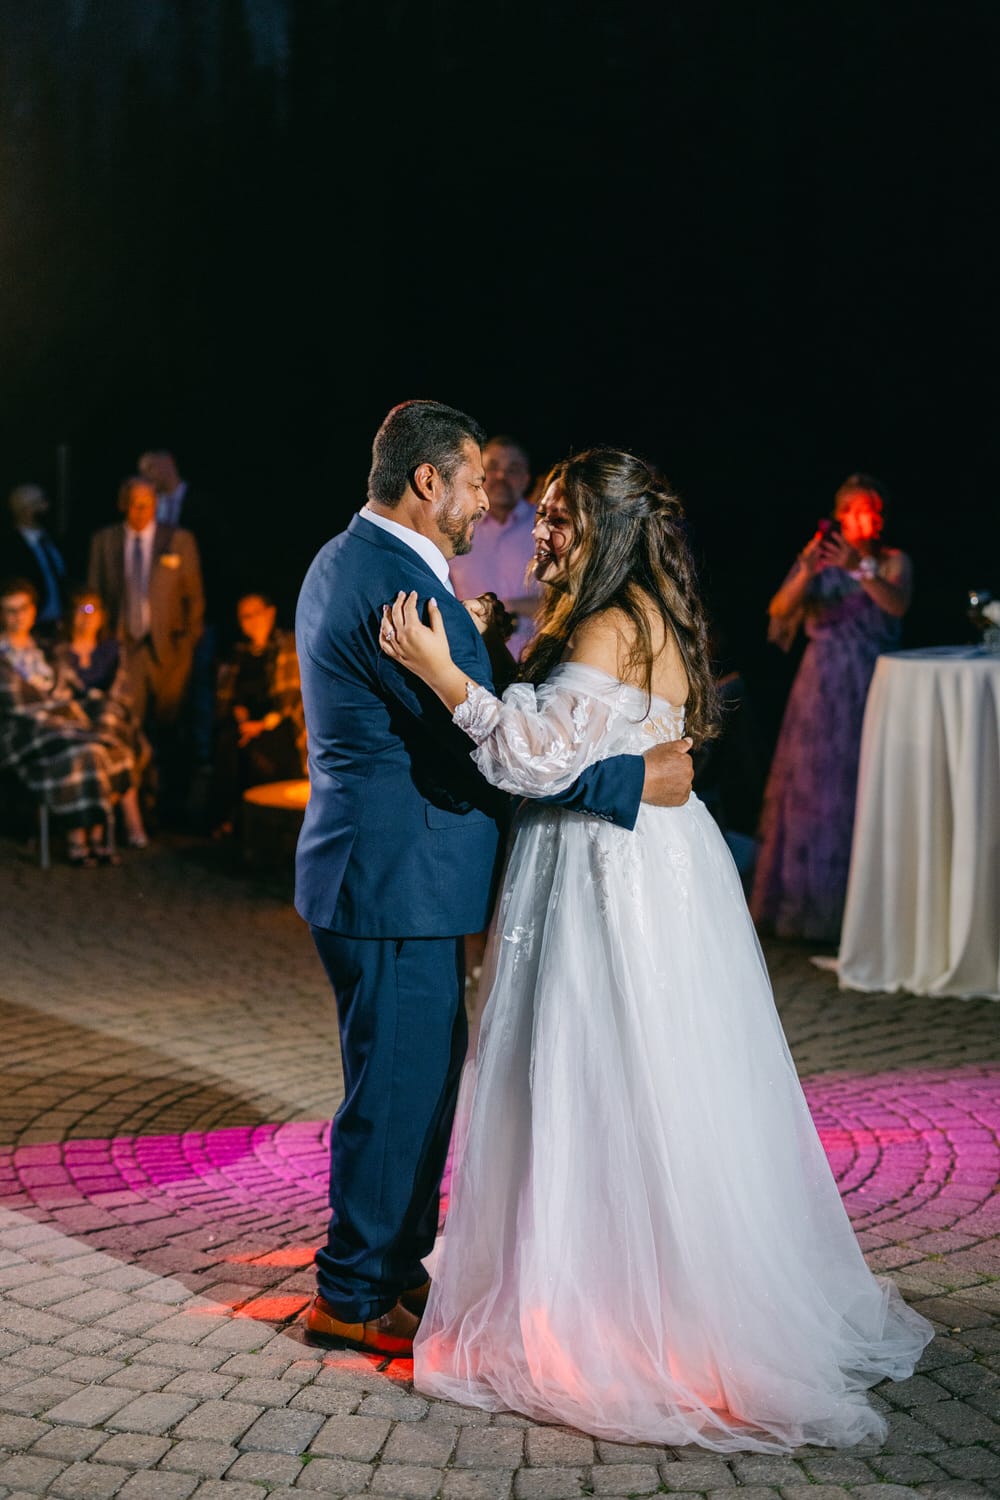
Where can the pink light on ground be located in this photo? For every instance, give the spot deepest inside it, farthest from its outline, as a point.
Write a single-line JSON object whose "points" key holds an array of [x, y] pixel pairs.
{"points": [[915, 1146], [913, 1152]]}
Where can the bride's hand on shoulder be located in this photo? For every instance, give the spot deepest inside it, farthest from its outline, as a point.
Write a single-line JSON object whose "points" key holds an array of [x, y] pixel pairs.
{"points": [[422, 649]]}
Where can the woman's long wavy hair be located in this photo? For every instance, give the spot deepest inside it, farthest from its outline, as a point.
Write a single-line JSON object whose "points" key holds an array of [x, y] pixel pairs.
{"points": [[629, 550]]}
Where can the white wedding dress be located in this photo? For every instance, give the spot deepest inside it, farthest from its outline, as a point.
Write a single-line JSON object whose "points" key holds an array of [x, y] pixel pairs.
{"points": [[644, 1238]]}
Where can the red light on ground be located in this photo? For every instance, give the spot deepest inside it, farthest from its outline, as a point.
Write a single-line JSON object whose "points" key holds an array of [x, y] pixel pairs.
{"points": [[291, 1255], [271, 1309]]}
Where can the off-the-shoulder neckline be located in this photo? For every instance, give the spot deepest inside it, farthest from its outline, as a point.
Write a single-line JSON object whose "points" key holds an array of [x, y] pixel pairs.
{"points": [[582, 666]]}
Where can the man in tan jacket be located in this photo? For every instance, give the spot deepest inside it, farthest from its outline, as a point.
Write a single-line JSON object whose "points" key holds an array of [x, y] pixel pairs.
{"points": [[149, 576]]}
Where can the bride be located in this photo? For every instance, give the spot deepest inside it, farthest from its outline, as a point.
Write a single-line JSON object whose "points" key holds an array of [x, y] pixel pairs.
{"points": [[644, 1238]]}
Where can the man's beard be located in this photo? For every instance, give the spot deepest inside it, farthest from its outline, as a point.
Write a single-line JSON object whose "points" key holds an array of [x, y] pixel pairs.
{"points": [[458, 528]]}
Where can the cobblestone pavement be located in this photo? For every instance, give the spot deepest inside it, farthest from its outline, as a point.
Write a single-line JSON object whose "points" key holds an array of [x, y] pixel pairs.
{"points": [[168, 1065]]}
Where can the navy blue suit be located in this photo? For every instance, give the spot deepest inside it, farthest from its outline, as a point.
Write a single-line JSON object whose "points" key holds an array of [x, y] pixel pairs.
{"points": [[395, 863]]}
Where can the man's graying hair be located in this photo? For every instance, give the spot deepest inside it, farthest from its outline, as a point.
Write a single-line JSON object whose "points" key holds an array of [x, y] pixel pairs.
{"points": [[414, 433]]}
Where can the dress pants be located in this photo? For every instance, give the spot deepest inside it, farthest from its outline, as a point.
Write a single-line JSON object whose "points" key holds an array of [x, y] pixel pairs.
{"points": [[157, 687], [403, 1037]]}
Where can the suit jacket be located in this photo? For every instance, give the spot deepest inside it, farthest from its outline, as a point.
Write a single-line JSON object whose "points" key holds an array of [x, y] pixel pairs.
{"points": [[400, 833], [18, 560], [176, 600]]}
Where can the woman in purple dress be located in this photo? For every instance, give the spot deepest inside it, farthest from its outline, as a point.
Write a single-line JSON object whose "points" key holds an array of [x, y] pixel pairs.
{"points": [[850, 593]]}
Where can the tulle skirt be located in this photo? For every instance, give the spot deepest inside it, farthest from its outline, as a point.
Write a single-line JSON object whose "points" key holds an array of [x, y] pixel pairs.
{"points": [[644, 1238]]}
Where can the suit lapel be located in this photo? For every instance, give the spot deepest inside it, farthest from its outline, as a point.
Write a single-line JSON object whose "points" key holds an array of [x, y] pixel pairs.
{"points": [[117, 572], [159, 576], [367, 531], [163, 537]]}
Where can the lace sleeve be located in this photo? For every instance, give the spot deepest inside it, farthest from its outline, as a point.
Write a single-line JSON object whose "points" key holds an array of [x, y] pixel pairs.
{"points": [[535, 742]]}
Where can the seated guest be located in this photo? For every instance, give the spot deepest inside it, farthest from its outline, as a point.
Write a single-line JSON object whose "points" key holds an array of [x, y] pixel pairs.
{"points": [[74, 766], [261, 727], [97, 672]]}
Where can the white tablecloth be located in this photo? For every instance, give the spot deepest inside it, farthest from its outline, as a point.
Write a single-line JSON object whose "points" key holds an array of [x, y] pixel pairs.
{"points": [[923, 896]]}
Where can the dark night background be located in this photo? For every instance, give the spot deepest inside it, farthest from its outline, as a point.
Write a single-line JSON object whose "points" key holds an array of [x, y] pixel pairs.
{"points": [[746, 240]]}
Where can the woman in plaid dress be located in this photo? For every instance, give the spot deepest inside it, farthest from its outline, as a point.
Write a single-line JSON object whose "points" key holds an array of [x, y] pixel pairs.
{"points": [[93, 664], [77, 766]]}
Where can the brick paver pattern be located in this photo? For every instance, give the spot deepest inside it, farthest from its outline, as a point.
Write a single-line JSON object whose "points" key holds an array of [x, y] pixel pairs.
{"points": [[169, 1066]]}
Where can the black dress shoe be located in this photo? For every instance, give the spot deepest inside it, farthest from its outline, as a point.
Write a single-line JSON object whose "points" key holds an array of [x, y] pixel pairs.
{"points": [[391, 1333], [415, 1300]]}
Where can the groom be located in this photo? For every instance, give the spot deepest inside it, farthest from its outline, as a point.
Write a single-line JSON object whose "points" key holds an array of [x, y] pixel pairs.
{"points": [[395, 863]]}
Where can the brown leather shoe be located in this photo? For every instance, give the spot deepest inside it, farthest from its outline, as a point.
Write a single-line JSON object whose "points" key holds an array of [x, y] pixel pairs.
{"points": [[392, 1333], [415, 1300]]}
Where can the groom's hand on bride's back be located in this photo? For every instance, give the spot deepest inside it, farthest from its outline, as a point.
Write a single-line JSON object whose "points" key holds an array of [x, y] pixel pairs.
{"points": [[669, 774]]}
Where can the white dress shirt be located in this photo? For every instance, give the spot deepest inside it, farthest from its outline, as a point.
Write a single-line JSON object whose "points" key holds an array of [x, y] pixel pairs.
{"points": [[422, 545]]}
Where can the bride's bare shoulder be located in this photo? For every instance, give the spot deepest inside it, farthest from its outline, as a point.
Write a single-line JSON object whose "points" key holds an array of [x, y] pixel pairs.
{"points": [[608, 639], [598, 641]]}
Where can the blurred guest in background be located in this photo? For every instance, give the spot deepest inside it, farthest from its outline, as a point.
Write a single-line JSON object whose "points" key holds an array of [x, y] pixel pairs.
{"points": [[850, 592], [180, 504], [95, 668], [149, 575], [76, 767], [29, 552], [503, 547], [261, 733]]}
